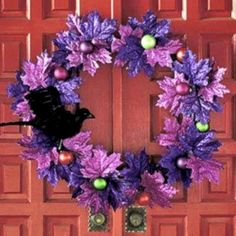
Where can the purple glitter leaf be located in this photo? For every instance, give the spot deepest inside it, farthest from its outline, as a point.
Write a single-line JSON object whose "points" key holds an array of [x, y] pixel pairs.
{"points": [[172, 46], [191, 104], [136, 165], [73, 22], [175, 174], [92, 198], [160, 193], [151, 26], [188, 66], [201, 71], [76, 178], [170, 98], [125, 31], [196, 72], [162, 28], [89, 61], [91, 65], [37, 140], [133, 55], [54, 173], [43, 158], [214, 88], [35, 75], [79, 144], [162, 55], [108, 27], [172, 130], [202, 145], [23, 110], [100, 164], [92, 27], [17, 91], [67, 91], [209, 169]]}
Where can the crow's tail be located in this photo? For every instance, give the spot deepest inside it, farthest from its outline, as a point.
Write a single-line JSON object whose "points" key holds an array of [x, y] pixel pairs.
{"points": [[21, 123]]}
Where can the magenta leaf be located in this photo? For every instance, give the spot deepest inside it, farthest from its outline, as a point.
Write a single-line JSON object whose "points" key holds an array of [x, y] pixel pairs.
{"points": [[160, 193], [23, 110], [209, 169], [162, 55], [172, 130], [36, 75], [214, 88], [79, 144], [100, 165], [92, 198]]}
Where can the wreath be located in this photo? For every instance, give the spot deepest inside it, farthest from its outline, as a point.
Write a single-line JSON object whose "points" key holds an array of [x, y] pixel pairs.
{"points": [[102, 180]]}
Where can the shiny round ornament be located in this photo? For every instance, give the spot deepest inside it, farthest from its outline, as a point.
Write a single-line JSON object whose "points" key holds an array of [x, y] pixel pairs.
{"points": [[202, 127], [182, 89], [180, 54], [60, 73], [148, 41], [100, 183], [143, 199], [181, 163], [65, 157], [86, 47]]}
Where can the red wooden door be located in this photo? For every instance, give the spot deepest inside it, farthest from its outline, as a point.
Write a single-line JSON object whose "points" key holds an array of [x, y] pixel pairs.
{"points": [[126, 119]]}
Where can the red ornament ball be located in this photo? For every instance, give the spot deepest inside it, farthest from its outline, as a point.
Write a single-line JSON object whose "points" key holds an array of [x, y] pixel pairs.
{"points": [[86, 47], [182, 88], [65, 157], [180, 54], [60, 73], [143, 199]]}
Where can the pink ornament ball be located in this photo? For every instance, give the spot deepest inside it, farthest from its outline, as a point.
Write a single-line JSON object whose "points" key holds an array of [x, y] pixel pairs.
{"points": [[60, 73], [86, 47], [182, 88]]}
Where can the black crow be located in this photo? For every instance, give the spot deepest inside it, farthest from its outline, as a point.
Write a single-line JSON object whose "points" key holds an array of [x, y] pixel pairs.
{"points": [[51, 117]]}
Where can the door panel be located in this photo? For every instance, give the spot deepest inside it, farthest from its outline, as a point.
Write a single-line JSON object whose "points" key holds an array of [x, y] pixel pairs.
{"points": [[126, 118], [209, 30]]}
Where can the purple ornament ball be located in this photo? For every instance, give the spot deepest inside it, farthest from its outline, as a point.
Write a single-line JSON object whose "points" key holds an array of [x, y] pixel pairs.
{"points": [[182, 88], [60, 73], [181, 163], [86, 47]]}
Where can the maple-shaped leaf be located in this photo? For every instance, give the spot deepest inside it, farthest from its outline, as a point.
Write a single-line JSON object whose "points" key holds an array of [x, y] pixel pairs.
{"points": [[160, 193], [79, 144], [214, 88], [172, 130], [136, 165], [100, 164], [201, 169], [36, 75], [202, 145]]}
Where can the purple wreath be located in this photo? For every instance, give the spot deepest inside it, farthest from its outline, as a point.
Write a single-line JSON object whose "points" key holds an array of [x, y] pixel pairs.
{"points": [[101, 180]]}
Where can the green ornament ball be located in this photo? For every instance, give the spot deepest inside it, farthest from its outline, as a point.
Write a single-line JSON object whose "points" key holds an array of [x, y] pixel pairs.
{"points": [[202, 127], [100, 184], [148, 41]]}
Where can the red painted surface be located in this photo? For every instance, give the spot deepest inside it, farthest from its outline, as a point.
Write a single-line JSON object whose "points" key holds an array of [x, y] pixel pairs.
{"points": [[126, 119]]}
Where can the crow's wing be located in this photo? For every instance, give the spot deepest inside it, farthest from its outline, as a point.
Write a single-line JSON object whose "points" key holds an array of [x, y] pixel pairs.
{"points": [[43, 102]]}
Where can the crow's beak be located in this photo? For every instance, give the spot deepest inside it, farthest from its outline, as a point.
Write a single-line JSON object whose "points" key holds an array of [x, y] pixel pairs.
{"points": [[91, 116]]}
